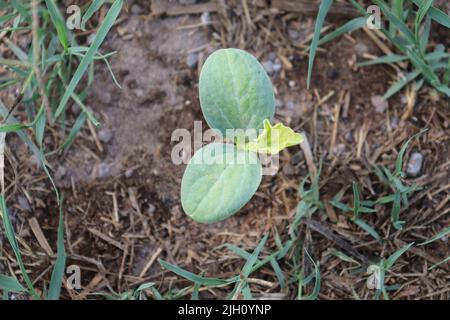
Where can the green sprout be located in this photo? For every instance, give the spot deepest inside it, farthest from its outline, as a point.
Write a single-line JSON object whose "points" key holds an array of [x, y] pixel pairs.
{"points": [[237, 98]]}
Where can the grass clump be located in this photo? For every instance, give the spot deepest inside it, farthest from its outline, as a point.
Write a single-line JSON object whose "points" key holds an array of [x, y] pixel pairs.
{"points": [[46, 75], [408, 33]]}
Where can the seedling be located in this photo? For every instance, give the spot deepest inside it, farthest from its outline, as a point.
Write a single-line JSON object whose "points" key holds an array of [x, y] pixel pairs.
{"points": [[237, 100]]}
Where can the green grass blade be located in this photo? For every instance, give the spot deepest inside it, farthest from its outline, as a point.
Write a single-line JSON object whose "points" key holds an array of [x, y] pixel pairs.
{"points": [[439, 263], [193, 277], [238, 251], [10, 284], [358, 7], [278, 272], [195, 292], [397, 254], [397, 86], [341, 206], [85, 109], [7, 17], [8, 83], [254, 257], [421, 65], [396, 21], [348, 27], [398, 8], [156, 294], [141, 288], [438, 236], [19, 53], [323, 10], [446, 80], [12, 127], [356, 200], [425, 36], [392, 58], [21, 9], [367, 210], [370, 230], [343, 256], [108, 22], [23, 136], [436, 14], [247, 294], [10, 235], [401, 154], [72, 134], [39, 126], [56, 280], [424, 6], [58, 22], [395, 213], [95, 5], [444, 89], [314, 295], [438, 54]]}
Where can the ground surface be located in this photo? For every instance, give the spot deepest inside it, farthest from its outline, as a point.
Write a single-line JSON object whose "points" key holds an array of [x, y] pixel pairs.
{"points": [[122, 190]]}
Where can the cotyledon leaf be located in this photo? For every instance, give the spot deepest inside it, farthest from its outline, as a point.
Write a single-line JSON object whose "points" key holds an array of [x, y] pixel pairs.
{"points": [[218, 181], [235, 91]]}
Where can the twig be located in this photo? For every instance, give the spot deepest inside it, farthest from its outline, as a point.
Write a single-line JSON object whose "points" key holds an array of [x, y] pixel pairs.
{"points": [[104, 237]]}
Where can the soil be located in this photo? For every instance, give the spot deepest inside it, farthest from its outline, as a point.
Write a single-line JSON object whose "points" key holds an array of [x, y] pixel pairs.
{"points": [[124, 185]]}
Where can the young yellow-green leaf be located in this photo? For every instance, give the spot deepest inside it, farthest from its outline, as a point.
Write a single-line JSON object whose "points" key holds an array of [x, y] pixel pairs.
{"points": [[273, 139], [235, 91], [218, 181]]}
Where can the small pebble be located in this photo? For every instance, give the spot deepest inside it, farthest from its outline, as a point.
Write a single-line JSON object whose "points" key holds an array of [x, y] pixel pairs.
{"points": [[279, 103], [60, 172], [103, 170], [205, 18], [293, 34], [361, 48], [339, 149], [151, 208], [104, 96], [129, 173], [403, 99], [394, 122], [136, 9], [105, 135], [35, 161], [192, 60], [291, 83], [272, 56], [349, 137], [277, 66], [75, 109], [379, 103], [332, 74], [23, 203], [290, 105], [268, 66], [414, 165]]}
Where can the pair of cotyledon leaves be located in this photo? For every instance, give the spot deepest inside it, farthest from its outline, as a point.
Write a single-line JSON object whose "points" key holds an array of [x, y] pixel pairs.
{"points": [[235, 94]]}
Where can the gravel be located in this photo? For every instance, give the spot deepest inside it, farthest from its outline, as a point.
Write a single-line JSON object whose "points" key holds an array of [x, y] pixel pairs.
{"points": [[192, 60], [379, 103], [105, 135], [414, 166]]}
